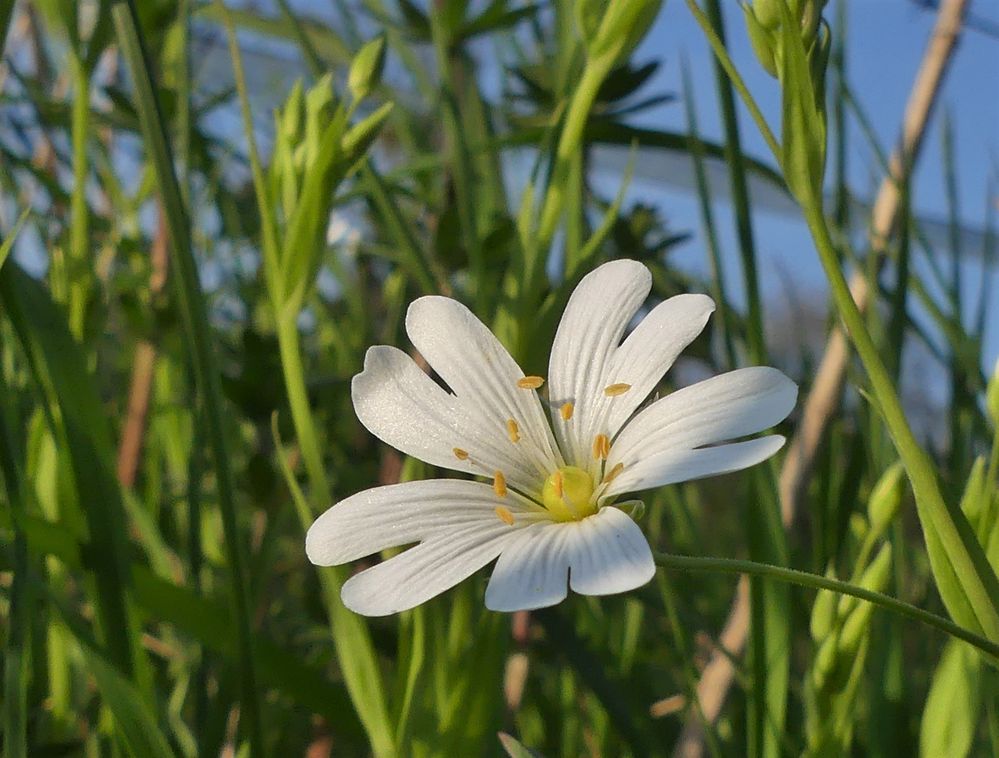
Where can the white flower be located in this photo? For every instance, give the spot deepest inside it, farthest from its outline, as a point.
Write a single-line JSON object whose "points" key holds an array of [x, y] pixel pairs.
{"points": [[548, 514]]}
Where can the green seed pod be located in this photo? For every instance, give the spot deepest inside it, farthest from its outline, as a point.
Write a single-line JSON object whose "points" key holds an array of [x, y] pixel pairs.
{"points": [[975, 498], [992, 396], [824, 664], [886, 498], [366, 68], [823, 618], [875, 578]]}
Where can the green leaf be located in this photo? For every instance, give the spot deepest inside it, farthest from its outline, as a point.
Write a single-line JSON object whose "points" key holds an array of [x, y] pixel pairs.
{"points": [[136, 722], [953, 705]]}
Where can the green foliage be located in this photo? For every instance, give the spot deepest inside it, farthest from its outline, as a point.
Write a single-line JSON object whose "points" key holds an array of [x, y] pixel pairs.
{"points": [[175, 400]]}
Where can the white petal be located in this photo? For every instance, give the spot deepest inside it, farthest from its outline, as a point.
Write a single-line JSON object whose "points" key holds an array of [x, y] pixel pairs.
{"points": [[600, 555], [722, 408], [406, 409], [480, 371], [592, 326], [675, 466], [400, 514], [533, 570], [420, 573], [609, 554], [649, 352]]}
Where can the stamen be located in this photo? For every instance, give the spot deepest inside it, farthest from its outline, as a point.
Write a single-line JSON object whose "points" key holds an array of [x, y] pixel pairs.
{"points": [[513, 430], [613, 390], [557, 483], [613, 473], [461, 455], [601, 446], [499, 484], [566, 411], [504, 515], [530, 382]]}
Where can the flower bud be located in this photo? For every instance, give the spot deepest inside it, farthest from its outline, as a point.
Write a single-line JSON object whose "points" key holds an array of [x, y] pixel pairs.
{"points": [[615, 28], [319, 107], [762, 39], [366, 68]]}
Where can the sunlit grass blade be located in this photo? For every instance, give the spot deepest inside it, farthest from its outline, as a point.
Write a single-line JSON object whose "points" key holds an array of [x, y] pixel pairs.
{"points": [[696, 148]]}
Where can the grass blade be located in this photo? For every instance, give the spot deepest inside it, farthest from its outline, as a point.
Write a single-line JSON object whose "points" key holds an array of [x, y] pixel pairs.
{"points": [[200, 344]]}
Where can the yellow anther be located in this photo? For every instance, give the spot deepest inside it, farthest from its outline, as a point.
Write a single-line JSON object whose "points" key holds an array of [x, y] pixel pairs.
{"points": [[566, 411], [530, 382], [601, 446], [513, 430], [613, 473], [499, 484], [557, 483], [504, 515], [613, 390], [461, 455]]}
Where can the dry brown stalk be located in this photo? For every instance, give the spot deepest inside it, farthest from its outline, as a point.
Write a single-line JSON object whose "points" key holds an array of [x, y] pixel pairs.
{"points": [[823, 399], [141, 385]]}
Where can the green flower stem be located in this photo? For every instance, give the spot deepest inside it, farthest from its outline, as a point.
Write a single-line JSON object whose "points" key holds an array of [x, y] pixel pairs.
{"points": [[192, 306], [672, 562], [351, 637], [301, 413], [585, 95], [955, 533]]}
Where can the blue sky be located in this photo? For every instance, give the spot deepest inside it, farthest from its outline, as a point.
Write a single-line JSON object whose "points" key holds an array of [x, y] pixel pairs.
{"points": [[886, 41]]}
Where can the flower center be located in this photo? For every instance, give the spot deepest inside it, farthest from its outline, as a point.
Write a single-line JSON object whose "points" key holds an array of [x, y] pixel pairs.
{"points": [[568, 493]]}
